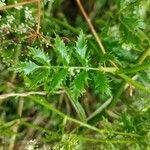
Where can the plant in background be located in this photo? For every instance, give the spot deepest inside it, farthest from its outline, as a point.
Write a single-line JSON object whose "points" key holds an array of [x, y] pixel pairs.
{"points": [[68, 89]]}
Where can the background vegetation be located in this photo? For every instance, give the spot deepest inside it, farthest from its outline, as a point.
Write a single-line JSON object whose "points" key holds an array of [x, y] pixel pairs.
{"points": [[75, 75]]}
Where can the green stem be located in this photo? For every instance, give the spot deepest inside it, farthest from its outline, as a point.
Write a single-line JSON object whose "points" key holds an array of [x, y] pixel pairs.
{"points": [[35, 127], [80, 137], [103, 69], [117, 94], [50, 107], [135, 69], [143, 56], [105, 140], [123, 83], [134, 83]]}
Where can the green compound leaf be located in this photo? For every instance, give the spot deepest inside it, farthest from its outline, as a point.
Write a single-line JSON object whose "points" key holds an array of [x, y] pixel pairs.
{"points": [[40, 75], [61, 51], [79, 84], [81, 48], [102, 83], [39, 56], [57, 80], [81, 45], [26, 67], [36, 73]]}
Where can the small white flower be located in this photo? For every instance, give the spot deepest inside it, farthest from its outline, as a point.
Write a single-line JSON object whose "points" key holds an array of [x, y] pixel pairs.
{"points": [[72, 71], [10, 18], [114, 32], [127, 47], [18, 7], [5, 28], [28, 14], [77, 70], [31, 145], [2, 3], [22, 28]]}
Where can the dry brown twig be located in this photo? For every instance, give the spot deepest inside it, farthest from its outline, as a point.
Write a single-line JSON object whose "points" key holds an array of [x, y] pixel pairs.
{"points": [[91, 26], [18, 4], [25, 94], [39, 17], [93, 30], [4, 96]]}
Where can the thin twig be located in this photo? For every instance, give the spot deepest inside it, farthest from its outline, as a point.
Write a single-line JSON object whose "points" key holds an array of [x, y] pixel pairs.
{"points": [[39, 17], [18, 4], [100, 109], [91, 26], [93, 30], [4, 96]]}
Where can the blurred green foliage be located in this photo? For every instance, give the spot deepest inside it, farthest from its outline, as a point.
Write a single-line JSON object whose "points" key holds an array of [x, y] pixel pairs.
{"points": [[84, 102]]}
